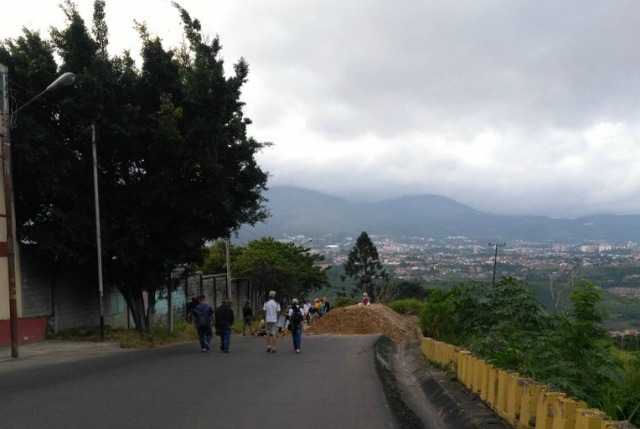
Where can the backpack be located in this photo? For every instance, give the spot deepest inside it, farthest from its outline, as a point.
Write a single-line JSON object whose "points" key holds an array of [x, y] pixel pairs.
{"points": [[202, 319], [296, 316]]}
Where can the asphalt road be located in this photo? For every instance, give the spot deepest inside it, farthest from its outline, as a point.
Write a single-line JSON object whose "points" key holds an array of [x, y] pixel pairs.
{"points": [[332, 383]]}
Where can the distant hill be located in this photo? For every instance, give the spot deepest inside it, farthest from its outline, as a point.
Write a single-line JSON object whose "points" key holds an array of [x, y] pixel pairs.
{"points": [[298, 211]]}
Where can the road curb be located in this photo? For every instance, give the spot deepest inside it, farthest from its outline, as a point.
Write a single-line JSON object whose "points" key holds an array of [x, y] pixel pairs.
{"points": [[423, 396]]}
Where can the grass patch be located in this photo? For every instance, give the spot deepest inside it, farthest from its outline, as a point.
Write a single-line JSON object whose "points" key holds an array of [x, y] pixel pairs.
{"points": [[131, 338], [411, 306]]}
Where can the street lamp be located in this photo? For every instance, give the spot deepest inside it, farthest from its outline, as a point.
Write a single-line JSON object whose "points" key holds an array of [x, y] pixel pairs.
{"points": [[63, 80]]}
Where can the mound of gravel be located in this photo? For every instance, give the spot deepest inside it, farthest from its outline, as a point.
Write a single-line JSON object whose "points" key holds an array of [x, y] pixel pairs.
{"points": [[362, 320]]}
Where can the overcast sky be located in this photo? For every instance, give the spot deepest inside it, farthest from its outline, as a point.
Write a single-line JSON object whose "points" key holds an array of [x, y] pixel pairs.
{"points": [[511, 107]]}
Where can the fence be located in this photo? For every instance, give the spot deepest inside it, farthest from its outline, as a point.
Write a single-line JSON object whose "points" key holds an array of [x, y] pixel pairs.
{"points": [[521, 402]]}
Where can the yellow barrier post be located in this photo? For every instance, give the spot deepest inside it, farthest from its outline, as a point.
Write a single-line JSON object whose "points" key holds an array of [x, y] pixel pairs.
{"points": [[461, 370], [529, 404], [564, 416], [502, 396], [427, 348], [485, 382], [451, 356], [492, 388], [515, 386], [591, 418], [545, 410]]}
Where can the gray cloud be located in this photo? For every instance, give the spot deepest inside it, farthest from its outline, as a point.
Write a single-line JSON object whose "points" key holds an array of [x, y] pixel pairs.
{"points": [[526, 107]]}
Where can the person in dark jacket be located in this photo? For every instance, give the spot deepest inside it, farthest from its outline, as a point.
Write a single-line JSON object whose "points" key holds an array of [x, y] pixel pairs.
{"points": [[224, 321], [190, 306], [247, 318], [202, 317]]}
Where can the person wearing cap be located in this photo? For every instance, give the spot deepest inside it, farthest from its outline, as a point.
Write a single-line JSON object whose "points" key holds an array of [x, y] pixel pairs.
{"points": [[295, 317], [365, 299], [271, 311]]}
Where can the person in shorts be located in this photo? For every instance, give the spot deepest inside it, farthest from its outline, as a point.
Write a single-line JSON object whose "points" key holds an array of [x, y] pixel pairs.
{"points": [[271, 311]]}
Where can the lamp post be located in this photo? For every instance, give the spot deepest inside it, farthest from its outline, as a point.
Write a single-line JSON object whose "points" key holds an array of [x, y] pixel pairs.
{"points": [[63, 80]]}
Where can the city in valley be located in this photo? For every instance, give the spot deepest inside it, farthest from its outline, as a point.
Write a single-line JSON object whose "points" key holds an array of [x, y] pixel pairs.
{"points": [[613, 267], [430, 260]]}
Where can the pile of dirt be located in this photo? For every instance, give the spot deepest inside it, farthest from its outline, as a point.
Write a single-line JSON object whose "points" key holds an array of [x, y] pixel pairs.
{"points": [[361, 320]]}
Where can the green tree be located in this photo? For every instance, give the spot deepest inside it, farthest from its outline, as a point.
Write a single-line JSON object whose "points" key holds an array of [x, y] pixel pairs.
{"points": [[176, 166], [215, 260], [363, 265], [288, 269], [508, 327]]}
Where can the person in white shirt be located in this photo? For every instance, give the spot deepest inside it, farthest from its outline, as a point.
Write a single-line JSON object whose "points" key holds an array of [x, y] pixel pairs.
{"points": [[271, 311], [305, 309]]}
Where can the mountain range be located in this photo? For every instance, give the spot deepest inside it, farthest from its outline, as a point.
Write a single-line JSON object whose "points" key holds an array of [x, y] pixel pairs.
{"points": [[301, 212]]}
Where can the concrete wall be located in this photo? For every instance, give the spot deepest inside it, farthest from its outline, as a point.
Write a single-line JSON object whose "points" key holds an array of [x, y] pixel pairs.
{"points": [[521, 402], [73, 302]]}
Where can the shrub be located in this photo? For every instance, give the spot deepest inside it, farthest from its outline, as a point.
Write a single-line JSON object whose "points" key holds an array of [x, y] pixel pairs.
{"points": [[344, 301], [410, 306]]}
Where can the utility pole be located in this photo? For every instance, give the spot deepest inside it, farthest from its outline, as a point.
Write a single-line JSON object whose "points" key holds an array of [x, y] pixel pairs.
{"points": [[6, 122], [228, 258], [98, 240], [10, 249], [495, 260]]}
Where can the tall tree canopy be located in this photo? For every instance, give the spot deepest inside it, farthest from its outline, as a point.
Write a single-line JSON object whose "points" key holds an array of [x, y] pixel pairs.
{"points": [[288, 269], [364, 266], [176, 166]]}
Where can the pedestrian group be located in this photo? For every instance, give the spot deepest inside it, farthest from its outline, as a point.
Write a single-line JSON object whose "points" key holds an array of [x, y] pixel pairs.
{"points": [[205, 318]]}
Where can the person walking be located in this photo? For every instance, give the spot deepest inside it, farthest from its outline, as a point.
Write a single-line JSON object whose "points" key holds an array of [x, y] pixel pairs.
{"points": [[224, 323], [306, 312], [325, 306], [318, 306], [296, 317], [190, 306], [271, 310], [247, 318], [202, 317]]}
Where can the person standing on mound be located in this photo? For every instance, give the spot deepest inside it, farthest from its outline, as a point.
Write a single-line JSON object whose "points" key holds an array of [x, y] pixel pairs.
{"points": [[365, 299], [271, 311]]}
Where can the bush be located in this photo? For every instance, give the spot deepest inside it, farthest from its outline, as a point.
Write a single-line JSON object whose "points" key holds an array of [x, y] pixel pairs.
{"points": [[344, 301], [410, 306]]}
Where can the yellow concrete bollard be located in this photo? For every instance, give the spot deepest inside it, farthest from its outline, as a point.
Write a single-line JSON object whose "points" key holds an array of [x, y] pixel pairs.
{"points": [[479, 383], [515, 387], [485, 371], [565, 411], [591, 418], [461, 371], [451, 356], [502, 396], [617, 425], [492, 388], [545, 410], [529, 404], [472, 375]]}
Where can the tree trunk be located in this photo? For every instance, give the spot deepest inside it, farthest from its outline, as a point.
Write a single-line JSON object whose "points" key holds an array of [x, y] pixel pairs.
{"points": [[135, 302]]}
